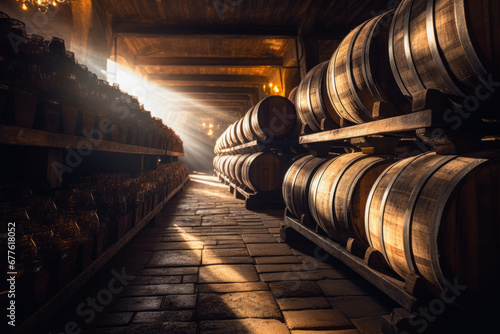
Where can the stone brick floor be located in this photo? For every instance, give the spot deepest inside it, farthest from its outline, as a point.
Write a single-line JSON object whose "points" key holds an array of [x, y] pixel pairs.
{"points": [[210, 266]]}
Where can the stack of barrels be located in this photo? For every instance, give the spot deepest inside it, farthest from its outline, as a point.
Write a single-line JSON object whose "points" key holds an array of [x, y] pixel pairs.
{"points": [[259, 172], [273, 118], [433, 215], [443, 45]]}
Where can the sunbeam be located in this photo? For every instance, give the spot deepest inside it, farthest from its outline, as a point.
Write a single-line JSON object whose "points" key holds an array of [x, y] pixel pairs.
{"points": [[178, 111]]}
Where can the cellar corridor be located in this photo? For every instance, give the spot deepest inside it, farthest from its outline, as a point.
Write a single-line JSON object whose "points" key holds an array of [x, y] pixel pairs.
{"points": [[211, 266]]}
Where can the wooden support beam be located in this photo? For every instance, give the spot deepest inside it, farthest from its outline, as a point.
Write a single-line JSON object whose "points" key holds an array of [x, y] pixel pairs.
{"points": [[208, 61], [254, 79], [218, 32]]}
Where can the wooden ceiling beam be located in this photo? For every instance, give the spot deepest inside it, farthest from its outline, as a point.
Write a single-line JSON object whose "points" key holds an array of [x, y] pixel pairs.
{"points": [[253, 79], [212, 90], [217, 31], [213, 97], [208, 61]]}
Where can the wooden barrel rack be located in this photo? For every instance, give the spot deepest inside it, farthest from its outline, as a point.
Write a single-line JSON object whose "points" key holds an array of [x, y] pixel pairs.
{"points": [[427, 128]]}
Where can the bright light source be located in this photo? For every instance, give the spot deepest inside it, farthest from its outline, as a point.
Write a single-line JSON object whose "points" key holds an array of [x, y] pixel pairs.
{"points": [[210, 125], [204, 124], [276, 89], [210, 132]]}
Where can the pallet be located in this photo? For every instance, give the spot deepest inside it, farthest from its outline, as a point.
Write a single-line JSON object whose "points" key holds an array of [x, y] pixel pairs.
{"points": [[253, 200], [278, 146], [434, 121], [367, 262]]}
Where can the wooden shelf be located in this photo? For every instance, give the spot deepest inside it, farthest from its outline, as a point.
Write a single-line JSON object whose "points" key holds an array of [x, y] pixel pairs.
{"points": [[46, 312], [391, 286], [260, 146], [175, 154], [13, 135], [393, 125]]}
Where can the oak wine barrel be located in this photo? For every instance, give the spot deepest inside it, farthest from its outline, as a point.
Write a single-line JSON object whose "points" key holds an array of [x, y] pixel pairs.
{"points": [[262, 172], [231, 166], [447, 45], [238, 168], [438, 215], [273, 117], [312, 101], [339, 190], [296, 184], [359, 72]]}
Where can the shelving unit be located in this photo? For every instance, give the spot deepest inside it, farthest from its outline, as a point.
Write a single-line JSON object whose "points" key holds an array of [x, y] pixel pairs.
{"points": [[46, 312], [49, 147]]}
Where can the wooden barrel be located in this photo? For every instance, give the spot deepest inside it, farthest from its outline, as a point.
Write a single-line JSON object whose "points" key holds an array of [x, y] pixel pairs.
{"points": [[447, 45], [312, 101], [222, 164], [262, 172], [273, 117], [296, 184], [238, 168], [439, 217], [231, 166], [359, 73], [339, 191]]}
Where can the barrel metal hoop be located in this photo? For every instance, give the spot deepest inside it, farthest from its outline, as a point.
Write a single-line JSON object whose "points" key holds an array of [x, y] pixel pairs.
{"points": [[384, 202], [254, 121], [367, 68], [339, 175], [306, 182], [433, 45], [340, 104], [313, 121], [392, 57], [297, 104], [412, 202], [350, 75], [319, 90], [441, 204], [407, 48], [350, 192], [466, 42]]}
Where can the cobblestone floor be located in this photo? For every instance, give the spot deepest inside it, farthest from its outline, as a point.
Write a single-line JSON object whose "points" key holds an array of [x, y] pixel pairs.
{"points": [[211, 266]]}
